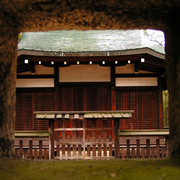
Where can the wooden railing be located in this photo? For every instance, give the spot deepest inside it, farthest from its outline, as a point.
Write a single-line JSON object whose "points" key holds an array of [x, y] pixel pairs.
{"points": [[32, 145], [32, 152], [144, 144], [136, 144]]}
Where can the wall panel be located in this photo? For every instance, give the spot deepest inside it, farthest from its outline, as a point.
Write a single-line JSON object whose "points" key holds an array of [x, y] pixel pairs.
{"points": [[145, 105], [26, 104], [24, 109]]}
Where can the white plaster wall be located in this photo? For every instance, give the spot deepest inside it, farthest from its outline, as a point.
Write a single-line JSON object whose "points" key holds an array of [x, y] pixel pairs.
{"points": [[40, 69], [27, 83], [84, 73], [127, 69], [140, 81]]}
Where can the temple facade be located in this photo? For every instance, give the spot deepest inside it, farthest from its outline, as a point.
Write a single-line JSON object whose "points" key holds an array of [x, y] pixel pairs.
{"points": [[90, 71]]}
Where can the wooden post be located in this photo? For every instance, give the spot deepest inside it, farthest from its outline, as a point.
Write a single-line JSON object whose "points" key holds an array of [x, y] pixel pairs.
{"points": [[58, 150], [116, 138], [157, 148], [30, 149], [138, 147], [99, 150], [69, 150], [21, 149], [148, 148], [51, 138], [110, 149], [74, 134], [94, 150], [40, 149], [113, 96], [105, 149], [63, 150], [84, 150], [63, 132], [74, 150], [88, 150], [167, 146], [113, 99], [128, 148]]}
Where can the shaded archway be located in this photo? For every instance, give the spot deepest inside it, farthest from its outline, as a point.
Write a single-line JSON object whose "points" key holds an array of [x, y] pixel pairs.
{"points": [[40, 15]]}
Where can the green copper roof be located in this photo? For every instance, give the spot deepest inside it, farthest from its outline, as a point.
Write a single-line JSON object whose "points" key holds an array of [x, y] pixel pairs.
{"points": [[89, 41]]}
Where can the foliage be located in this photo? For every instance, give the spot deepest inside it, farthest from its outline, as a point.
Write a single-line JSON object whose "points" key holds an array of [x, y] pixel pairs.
{"points": [[165, 108], [19, 37]]}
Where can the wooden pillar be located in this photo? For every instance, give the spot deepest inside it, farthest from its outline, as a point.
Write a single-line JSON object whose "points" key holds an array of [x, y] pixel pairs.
{"points": [[21, 149], [128, 148], [40, 149], [84, 150], [30, 149], [113, 99], [113, 107], [116, 138], [56, 76], [148, 148], [157, 148], [84, 121], [51, 138], [138, 147], [167, 146]]}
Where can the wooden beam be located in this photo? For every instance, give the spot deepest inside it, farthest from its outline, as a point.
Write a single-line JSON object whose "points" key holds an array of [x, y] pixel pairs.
{"points": [[84, 147], [56, 76], [39, 76], [136, 75], [116, 138], [137, 66], [81, 129], [68, 129], [82, 112], [113, 99], [113, 75]]}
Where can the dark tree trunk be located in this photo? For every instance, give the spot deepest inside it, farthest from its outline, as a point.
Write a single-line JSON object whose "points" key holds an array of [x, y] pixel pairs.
{"points": [[8, 51], [172, 34]]}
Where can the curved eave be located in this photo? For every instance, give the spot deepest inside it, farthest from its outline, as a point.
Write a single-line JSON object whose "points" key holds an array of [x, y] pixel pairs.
{"points": [[90, 54]]}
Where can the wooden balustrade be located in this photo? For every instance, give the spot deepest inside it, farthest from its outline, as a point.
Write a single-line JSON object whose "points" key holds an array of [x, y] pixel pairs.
{"points": [[31, 152], [129, 147]]}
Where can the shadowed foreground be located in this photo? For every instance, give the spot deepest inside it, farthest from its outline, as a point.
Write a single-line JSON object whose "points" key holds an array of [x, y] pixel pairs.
{"points": [[89, 169]]}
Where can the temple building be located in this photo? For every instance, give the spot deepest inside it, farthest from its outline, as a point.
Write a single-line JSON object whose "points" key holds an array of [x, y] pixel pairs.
{"points": [[90, 71]]}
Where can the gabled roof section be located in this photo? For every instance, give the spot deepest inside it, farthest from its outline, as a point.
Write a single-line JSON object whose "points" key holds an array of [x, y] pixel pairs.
{"points": [[88, 41]]}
